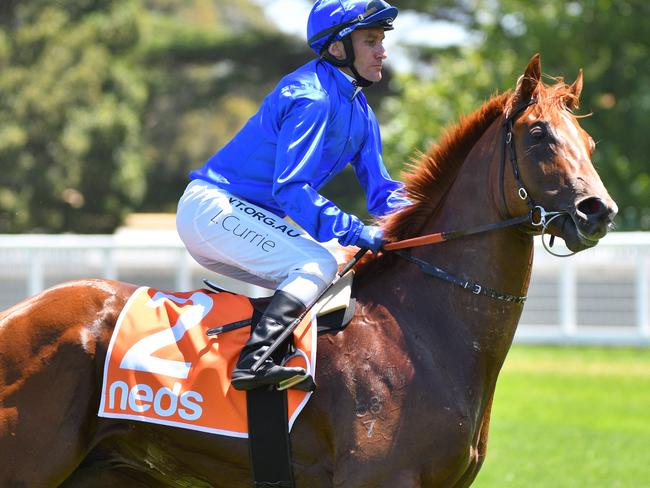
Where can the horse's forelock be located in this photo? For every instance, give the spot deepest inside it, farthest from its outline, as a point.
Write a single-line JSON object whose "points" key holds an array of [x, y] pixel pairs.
{"points": [[555, 97]]}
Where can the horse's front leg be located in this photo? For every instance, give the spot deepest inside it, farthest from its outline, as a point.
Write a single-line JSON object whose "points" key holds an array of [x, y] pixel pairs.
{"points": [[478, 451], [406, 478]]}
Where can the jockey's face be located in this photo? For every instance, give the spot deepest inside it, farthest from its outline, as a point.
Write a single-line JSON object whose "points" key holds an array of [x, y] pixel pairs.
{"points": [[369, 52]]}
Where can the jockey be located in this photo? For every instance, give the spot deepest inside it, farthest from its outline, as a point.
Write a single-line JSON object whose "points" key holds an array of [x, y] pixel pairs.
{"points": [[306, 131]]}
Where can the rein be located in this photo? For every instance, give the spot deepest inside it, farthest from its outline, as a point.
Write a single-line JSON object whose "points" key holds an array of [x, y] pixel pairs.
{"points": [[537, 217], [439, 237]]}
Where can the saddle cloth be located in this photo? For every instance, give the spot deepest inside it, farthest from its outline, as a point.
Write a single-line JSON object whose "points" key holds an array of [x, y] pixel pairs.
{"points": [[162, 368]]}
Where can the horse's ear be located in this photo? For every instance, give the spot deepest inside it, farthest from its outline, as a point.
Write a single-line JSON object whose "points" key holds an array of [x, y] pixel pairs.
{"points": [[574, 91], [528, 82]]}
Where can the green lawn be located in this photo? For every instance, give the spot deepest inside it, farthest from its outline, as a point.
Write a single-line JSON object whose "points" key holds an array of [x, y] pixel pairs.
{"points": [[570, 417]]}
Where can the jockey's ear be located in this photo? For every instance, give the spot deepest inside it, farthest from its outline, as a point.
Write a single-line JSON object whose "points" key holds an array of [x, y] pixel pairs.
{"points": [[337, 50], [572, 101], [528, 82]]}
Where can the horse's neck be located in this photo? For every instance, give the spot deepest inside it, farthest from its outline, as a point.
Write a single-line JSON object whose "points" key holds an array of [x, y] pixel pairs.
{"points": [[500, 259]]}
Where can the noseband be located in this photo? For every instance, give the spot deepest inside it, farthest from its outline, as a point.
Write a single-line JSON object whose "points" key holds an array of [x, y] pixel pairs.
{"points": [[537, 216]]}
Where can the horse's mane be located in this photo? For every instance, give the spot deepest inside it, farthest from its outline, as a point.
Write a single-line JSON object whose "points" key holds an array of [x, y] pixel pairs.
{"points": [[431, 174]]}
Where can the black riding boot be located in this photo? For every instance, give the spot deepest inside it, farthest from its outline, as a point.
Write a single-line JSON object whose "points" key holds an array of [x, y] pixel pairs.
{"points": [[279, 314]]}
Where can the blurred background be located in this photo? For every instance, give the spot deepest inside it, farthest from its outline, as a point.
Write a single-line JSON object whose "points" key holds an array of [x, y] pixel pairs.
{"points": [[105, 105]]}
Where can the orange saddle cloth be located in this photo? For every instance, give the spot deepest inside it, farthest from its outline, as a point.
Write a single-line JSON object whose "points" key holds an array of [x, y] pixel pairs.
{"points": [[161, 367]]}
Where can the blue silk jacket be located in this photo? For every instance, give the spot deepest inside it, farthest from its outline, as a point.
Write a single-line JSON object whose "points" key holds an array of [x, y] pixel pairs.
{"points": [[306, 131]]}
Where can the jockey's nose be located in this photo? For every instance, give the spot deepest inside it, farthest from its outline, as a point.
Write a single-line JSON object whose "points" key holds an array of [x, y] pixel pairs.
{"points": [[381, 52]]}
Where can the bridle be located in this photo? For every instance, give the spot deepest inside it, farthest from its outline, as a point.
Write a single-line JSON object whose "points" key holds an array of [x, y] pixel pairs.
{"points": [[510, 148], [537, 216]]}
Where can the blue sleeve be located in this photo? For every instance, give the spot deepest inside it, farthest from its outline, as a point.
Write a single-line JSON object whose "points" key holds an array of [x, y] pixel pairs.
{"points": [[383, 194], [298, 156]]}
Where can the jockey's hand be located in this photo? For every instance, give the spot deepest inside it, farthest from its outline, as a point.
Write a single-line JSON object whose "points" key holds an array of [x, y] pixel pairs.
{"points": [[371, 237]]}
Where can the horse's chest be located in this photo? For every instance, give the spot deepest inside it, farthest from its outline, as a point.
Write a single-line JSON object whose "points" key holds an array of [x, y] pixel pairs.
{"points": [[396, 417], [392, 412], [402, 431]]}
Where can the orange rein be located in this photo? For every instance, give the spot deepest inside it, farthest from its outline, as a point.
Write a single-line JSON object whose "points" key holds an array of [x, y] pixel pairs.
{"points": [[537, 217], [415, 242]]}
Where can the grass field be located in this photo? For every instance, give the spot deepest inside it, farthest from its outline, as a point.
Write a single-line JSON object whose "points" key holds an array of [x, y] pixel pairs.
{"points": [[570, 417]]}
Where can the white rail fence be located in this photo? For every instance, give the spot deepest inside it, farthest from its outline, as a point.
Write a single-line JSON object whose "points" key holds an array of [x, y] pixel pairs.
{"points": [[600, 296]]}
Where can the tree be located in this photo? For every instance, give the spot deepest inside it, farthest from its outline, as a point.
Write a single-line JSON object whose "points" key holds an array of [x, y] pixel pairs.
{"points": [[105, 104], [208, 66], [70, 96]]}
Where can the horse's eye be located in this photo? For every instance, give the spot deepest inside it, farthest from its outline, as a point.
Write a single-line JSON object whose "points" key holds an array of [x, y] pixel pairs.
{"points": [[538, 132]]}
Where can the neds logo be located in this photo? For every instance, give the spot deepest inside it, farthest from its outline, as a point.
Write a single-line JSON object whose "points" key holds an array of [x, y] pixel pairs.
{"points": [[165, 403]]}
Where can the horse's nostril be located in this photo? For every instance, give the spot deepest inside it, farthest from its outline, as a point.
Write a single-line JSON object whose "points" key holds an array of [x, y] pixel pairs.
{"points": [[593, 207]]}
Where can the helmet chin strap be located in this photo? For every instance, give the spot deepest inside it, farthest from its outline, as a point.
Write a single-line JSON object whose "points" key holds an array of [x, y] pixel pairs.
{"points": [[347, 62], [361, 81]]}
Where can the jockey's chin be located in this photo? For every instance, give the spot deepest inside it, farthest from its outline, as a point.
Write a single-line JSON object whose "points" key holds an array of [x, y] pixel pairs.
{"points": [[374, 73], [371, 73]]}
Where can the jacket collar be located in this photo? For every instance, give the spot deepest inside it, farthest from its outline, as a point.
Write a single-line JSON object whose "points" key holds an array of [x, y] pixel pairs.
{"points": [[345, 83], [357, 87]]}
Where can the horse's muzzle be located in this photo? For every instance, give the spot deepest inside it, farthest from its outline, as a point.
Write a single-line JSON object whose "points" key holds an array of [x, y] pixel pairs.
{"points": [[593, 217], [589, 221]]}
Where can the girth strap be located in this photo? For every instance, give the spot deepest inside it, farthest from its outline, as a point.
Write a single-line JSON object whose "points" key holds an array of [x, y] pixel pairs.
{"points": [[268, 436]]}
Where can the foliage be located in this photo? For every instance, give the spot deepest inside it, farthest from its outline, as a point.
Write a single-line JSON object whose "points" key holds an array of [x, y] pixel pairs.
{"points": [[606, 38], [69, 95], [112, 101], [424, 109]]}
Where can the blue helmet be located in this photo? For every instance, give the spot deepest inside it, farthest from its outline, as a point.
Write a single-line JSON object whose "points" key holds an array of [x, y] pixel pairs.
{"points": [[332, 20]]}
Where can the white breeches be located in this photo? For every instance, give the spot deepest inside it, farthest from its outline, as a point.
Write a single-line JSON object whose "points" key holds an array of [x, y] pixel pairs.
{"points": [[240, 240]]}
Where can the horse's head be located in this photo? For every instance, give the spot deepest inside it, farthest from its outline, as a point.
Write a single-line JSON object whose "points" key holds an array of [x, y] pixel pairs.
{"points": [[552, 155]]}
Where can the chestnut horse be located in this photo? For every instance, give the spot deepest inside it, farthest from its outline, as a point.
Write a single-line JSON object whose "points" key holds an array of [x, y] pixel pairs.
{"points": [[404, 392]]}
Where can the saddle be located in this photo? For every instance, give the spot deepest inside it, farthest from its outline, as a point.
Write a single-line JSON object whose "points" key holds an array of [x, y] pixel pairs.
{"points": [[334, 310]]}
